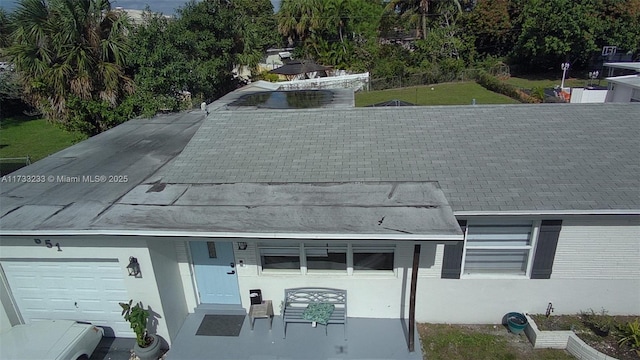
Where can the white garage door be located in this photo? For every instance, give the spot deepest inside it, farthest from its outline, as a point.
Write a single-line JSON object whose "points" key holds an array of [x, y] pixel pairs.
{"points": [[87, 290]]}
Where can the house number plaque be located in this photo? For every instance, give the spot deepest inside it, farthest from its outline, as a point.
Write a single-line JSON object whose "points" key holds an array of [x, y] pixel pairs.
{"points": [[48, 244]]}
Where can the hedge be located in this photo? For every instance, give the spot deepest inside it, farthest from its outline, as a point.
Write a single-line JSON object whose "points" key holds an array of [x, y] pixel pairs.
{"points": [[492, 83]]}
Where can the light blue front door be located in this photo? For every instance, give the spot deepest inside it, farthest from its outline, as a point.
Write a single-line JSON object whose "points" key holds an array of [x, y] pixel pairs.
{"points": [[216, 277]]}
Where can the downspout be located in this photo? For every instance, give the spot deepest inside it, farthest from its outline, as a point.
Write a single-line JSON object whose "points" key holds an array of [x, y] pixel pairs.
{"points": [[412, 297]]}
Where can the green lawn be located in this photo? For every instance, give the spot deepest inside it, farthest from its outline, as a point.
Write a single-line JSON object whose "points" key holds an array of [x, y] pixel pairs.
{"points": [[480, 342], [547, 83], [36, 138], [461, 93]]}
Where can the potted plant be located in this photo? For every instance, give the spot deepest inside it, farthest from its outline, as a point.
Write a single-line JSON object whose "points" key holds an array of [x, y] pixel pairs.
{"points": [[147, 345]]}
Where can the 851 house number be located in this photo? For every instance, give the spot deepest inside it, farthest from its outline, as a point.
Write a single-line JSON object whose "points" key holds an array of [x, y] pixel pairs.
{"points": [[48, 244]]}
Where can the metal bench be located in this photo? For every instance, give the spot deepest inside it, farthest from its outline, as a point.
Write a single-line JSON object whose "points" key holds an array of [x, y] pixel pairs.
{"points": [[296, 301]]}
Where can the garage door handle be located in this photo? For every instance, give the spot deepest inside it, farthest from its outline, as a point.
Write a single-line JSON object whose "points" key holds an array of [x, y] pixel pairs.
{"points": [[231, 272]]}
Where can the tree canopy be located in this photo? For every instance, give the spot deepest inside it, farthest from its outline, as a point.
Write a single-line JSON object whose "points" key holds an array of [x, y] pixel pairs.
{"points": [[84, 65], [198, 49], [71, 56]]}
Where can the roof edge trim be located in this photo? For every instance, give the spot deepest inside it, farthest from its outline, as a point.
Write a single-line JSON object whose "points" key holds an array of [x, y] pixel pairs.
{"points": [[547, 212], [330, 236]]}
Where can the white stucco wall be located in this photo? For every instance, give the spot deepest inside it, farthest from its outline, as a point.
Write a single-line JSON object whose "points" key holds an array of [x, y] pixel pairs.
{"points": [[167, 274], [599, 250], [582, 95], [82, 248], [597, 266], [367, 294], [620, 93]]}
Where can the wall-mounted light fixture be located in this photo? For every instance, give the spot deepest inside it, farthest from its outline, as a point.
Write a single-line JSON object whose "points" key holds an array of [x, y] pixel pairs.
{"points": [[133, 267], [242, 245]]}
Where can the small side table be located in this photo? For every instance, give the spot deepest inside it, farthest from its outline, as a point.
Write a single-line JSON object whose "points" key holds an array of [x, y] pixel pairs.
{"points": [[261, 311]]}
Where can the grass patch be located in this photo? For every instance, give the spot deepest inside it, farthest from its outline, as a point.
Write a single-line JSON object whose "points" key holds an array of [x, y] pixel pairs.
{"points": [[33, 137], [546, 83], [442, 94], [480, 342]]}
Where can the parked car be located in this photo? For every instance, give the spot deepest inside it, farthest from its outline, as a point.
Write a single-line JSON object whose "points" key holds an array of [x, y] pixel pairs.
{"points": [[52, 339]]}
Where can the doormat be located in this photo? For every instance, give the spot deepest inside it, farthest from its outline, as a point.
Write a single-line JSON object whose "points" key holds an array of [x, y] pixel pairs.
{"points": [[221, 325]]}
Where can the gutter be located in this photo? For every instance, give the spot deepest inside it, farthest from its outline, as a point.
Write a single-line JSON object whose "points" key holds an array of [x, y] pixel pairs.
{"points": [[324, 236], [547, 212]]}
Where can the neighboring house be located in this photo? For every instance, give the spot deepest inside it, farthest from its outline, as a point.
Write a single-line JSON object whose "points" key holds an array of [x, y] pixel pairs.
{"points": [[138, 16], [621, 89], [624, 88], [301, 69], [274, 58], [513, 207]]}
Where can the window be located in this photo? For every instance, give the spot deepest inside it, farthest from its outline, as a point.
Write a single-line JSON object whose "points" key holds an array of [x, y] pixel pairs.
{"points": [[281, 258], [492, 247], [328, 257], [501, 249], [380, 258]]}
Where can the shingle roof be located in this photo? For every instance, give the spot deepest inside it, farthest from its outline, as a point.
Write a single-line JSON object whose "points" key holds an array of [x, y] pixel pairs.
{"points": [[485, 158]]}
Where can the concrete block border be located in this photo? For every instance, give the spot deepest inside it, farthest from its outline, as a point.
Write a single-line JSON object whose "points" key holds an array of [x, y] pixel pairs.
{"points": [[562, 340]]}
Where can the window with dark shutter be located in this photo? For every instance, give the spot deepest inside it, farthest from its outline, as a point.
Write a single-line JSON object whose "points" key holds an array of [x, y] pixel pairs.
{"points": [[452, 259], [546, 249]]}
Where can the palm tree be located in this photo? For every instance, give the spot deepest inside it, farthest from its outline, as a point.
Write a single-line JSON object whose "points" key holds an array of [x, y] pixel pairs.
{"points": [[336, 14], [67, 50], [297, 19], [255, 30], [417, 11], [4, 29]]}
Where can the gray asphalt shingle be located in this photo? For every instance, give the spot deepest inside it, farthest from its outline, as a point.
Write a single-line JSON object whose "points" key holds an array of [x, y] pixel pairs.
{"points": [[486, 158]]}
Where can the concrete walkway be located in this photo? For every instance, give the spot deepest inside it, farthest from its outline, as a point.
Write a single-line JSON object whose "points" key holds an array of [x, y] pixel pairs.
{"points": [[367, 339]]}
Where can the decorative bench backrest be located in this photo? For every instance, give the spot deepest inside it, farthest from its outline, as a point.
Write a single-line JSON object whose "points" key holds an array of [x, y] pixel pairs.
{"points": [[305, 296]]}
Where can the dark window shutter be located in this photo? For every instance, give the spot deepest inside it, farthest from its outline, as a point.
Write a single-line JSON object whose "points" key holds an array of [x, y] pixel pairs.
{"points": [[546, 249], [452, 259]]}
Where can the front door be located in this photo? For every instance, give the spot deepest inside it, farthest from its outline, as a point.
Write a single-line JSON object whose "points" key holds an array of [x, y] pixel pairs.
{"points": [[215, 271]]}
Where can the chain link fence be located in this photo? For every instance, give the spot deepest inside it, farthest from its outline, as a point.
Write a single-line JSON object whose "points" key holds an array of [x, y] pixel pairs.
{"points": [[417, 79], [433, 77]]}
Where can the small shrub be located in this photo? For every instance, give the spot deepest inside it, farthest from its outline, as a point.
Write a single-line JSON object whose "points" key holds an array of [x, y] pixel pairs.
{"points": [[267, 76], [538, 93], [600, 323], [630, 335]]}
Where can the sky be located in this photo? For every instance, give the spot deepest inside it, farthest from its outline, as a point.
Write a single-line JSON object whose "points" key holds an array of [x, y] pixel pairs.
{"points": [[167, 7]]}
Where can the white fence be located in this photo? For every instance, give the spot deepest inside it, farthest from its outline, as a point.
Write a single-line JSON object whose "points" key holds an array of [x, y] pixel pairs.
{"points": [[581, 95], [354, 81]]}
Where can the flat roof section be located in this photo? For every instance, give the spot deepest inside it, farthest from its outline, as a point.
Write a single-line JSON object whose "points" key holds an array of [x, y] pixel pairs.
{"points": [[367, 210], [624, 65], [630, 80], [82, 181]]}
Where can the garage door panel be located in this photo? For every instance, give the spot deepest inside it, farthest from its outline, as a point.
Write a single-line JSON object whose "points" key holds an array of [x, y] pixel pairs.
{"points": [[71, 290]]}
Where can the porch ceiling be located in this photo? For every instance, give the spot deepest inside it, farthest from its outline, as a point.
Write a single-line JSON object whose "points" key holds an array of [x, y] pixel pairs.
{"points": [[384, 210]]}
